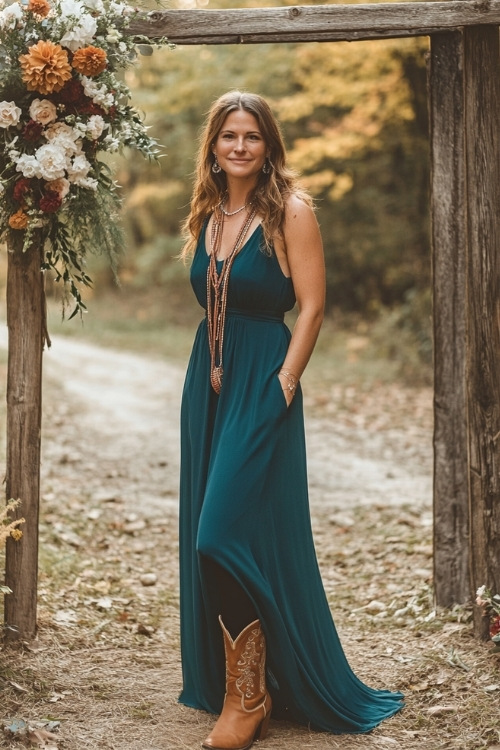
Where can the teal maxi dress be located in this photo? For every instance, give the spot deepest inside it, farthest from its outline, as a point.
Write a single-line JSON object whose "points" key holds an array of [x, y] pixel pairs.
{"points": [[244, 505]]}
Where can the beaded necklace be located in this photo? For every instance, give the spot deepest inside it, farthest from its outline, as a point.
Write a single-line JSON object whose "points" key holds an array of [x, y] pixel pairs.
{"points": [[217, 286], [233, 213]]}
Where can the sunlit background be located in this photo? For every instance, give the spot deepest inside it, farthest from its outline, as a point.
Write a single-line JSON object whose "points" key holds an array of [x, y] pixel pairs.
{"points": [[354, 117]]}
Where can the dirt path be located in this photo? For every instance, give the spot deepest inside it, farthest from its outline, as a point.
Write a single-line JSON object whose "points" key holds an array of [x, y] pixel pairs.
{"points": [[128, 417], [129, 411], [106, 664]]}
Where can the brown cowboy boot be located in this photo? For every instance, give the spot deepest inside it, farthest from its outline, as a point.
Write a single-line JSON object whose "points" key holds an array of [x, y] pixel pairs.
{"points": [[247, 705]]}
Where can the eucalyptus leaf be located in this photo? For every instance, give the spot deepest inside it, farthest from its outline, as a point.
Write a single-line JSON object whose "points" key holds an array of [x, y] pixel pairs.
{"points": [[145, 49]]}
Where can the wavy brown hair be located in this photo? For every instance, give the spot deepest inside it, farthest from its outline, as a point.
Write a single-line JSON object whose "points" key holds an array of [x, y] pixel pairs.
{"points": [[272, 190]]}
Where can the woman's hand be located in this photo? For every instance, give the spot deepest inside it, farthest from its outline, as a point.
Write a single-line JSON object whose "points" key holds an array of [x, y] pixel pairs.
{"points": [[288, 386]]}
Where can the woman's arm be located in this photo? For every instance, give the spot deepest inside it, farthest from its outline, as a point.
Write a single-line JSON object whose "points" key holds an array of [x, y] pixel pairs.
{"points": [[304, 252]]}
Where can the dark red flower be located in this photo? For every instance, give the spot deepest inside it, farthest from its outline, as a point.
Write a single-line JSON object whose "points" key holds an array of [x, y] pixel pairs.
{"points": [[51, 202], [21, 187], [89, 108], [71, 92], [32, 131], [495, 626]]}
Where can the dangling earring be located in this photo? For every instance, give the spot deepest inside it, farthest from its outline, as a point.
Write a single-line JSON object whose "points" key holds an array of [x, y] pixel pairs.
{"points": [[267, 167], [216, 167]]}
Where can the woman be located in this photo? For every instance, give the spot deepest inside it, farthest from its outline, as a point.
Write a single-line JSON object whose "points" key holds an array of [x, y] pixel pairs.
{"points": [[248, 565]]}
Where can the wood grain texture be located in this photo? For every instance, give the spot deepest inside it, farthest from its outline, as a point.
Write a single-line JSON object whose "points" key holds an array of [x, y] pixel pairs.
{"points": [[482, 117], [315, 23], [448, 239], [25, 316]]}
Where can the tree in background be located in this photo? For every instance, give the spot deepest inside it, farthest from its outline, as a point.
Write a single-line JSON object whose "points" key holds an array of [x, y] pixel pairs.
{"points": [[355, 122]]}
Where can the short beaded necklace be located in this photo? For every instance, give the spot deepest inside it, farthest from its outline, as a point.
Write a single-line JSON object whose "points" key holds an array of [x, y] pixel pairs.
{"points": [[232, 213], [217, 286]]}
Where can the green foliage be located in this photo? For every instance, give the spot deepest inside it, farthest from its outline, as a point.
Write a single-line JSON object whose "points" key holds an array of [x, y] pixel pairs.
{"points": [[91, 223]]}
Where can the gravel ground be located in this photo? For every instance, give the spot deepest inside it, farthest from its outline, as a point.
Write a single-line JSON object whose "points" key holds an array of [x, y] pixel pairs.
{"points": [[106, 662]]}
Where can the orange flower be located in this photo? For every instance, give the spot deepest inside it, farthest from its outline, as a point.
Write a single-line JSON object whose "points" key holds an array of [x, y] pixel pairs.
{"points": [[39, 7], [45, 67], [90, 61], [19, 220]]}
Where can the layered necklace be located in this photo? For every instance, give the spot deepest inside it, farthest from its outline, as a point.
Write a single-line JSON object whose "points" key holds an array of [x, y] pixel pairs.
{"points": [[233, 213], [217, 286]]}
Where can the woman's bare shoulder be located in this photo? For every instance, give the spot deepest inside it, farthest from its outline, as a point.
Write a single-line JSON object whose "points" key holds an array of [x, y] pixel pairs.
{"points": [[299, 217], [297, 207]]}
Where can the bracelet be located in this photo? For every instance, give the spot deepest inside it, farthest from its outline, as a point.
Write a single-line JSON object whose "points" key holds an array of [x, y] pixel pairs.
{"points": [[292, 381]]}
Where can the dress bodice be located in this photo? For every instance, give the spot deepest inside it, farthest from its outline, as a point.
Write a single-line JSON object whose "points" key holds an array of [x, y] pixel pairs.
{"points": [[257, 282]]}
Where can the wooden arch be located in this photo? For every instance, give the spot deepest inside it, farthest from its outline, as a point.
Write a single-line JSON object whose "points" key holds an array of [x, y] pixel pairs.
{"points": [[464, 97]]}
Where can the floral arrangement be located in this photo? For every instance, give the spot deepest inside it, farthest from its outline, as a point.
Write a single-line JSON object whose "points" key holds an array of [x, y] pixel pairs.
{"points": [[61, 106], [9, 528], [491, 609]]}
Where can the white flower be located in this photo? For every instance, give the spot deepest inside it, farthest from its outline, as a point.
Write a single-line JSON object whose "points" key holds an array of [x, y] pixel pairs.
{"points": [[90, 87], [96, 5], [86, 182], [43, 111], [52, 160], [111, 144], [80, 129], [98, 94], [84, 28], [70, 9], [64, 137], [60, 186], [10, 114], [11, 16], [29, 166], [95, 126], [78, 168], [126, 130], [119, 9], [113, 36], [480, 590]]}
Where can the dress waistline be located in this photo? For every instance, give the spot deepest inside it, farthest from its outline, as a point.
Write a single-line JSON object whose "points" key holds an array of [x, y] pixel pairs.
{"points": [[270, 316]]}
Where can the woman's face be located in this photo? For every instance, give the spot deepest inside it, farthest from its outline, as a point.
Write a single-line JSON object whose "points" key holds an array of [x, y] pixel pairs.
{"points": [[240, 148]]}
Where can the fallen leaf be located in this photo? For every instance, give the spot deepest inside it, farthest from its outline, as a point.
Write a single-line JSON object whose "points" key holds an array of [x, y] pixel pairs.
{"points": [[145, 629], [438, 710], [42, 738], [22, 689], [105, 602], [55, 697], [420, 687], [456, 661], [65, 617]]}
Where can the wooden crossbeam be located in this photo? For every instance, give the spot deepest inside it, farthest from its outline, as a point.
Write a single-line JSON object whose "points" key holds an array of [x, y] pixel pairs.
{"points": [[321, 23]]}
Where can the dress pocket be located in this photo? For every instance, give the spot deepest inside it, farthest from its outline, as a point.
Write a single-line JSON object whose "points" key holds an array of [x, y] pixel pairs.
{"points": [[281, 394]]}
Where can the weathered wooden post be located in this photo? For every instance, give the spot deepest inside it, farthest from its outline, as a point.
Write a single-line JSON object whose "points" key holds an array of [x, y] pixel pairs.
{"points": [[26, 326], [482, 118], [448, 239]]}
